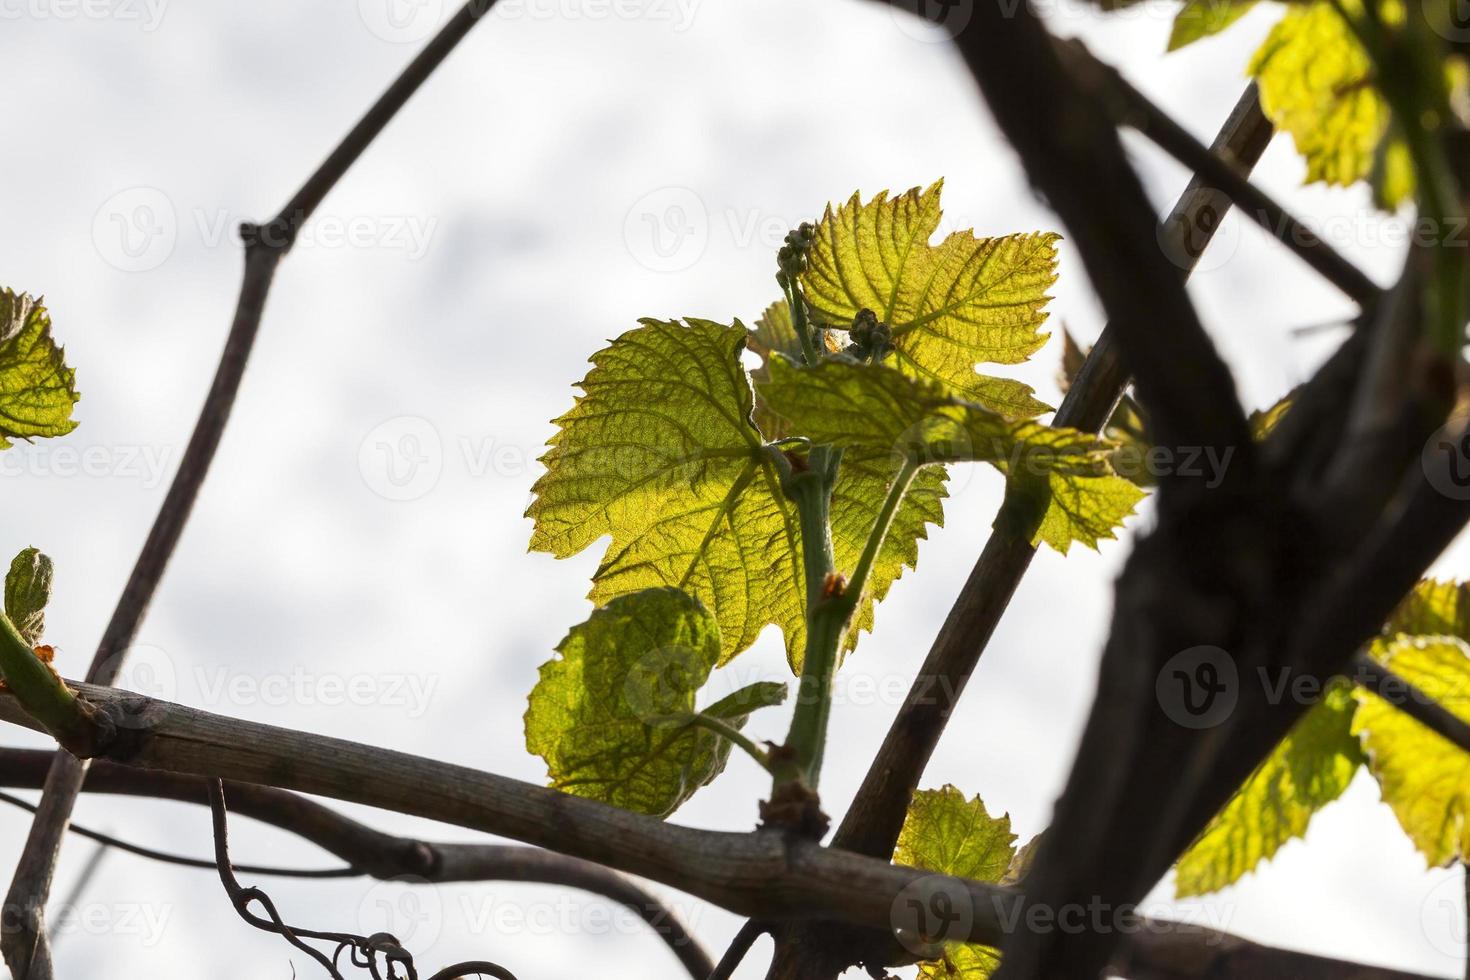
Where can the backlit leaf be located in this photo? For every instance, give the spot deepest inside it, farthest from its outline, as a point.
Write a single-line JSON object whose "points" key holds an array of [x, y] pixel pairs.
{"points": [[950, 306], [1424, 778], [660, 454], [948, 834], [1310, 768], [27, 591], [37, 389], [1316, 84], [1201, 18], [609, 714]]}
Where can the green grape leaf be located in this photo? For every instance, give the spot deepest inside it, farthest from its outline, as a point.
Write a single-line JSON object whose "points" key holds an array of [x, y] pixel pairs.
{"points": [[950, 306], [1201, 18], [27, 591], [1424, 778], [876, 408], [37, 389], [862, 486], [610, 714], [773, 334], [1060, 507], [945, 833], [1316, 84], [962, 961], [660, 453], [1310, 768], [1021, 863], [1433, 608]]}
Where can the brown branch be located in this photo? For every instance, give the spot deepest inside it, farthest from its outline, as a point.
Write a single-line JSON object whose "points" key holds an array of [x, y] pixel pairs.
{"points": [[372, 852], [1073, 156], [1186, 952], [23, 938], [762, 874], [1129, 107]]}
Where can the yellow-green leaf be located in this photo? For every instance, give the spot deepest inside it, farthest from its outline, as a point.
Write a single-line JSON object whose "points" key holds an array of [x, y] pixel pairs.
{"points": [[873, 407], [948, 834], [1310, 768], [1316, 84], [949, 306], [1434, 608], [1424, 778], [1201, 18], [660, 454], [1062, 506], [37, 389], [963, 961], [610, 714], [27, 591], [862, 485]]}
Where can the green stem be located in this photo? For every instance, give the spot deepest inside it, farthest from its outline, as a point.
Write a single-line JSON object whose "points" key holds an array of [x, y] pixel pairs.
{"points": [[829, 611], [40, 692], [797, 306], [731, 734], [884, 521]]}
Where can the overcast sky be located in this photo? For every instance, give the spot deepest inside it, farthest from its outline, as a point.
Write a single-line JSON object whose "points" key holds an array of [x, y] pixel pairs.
{"points": [[574, 166]]}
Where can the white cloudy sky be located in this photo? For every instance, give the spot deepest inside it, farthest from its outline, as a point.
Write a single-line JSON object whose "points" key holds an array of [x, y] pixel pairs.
{"points": [[450, 292]]}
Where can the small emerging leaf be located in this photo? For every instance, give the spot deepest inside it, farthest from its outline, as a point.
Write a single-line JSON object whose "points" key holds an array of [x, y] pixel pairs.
{"points": [[610, 715], [1424, 778], [27, 591], [949, 306], [37, 389]]}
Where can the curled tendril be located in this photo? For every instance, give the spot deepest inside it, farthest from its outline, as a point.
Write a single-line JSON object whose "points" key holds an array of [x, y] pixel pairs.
{"points": [[380, 954]]}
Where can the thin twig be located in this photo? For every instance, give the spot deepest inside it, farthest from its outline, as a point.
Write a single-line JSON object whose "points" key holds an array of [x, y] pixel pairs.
{"points": [[265, 246], [755, 874], [1408, 698], [83, 882], [365, 950], [107, 840], [752, 930], [383, 856], [1130, 107]]}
